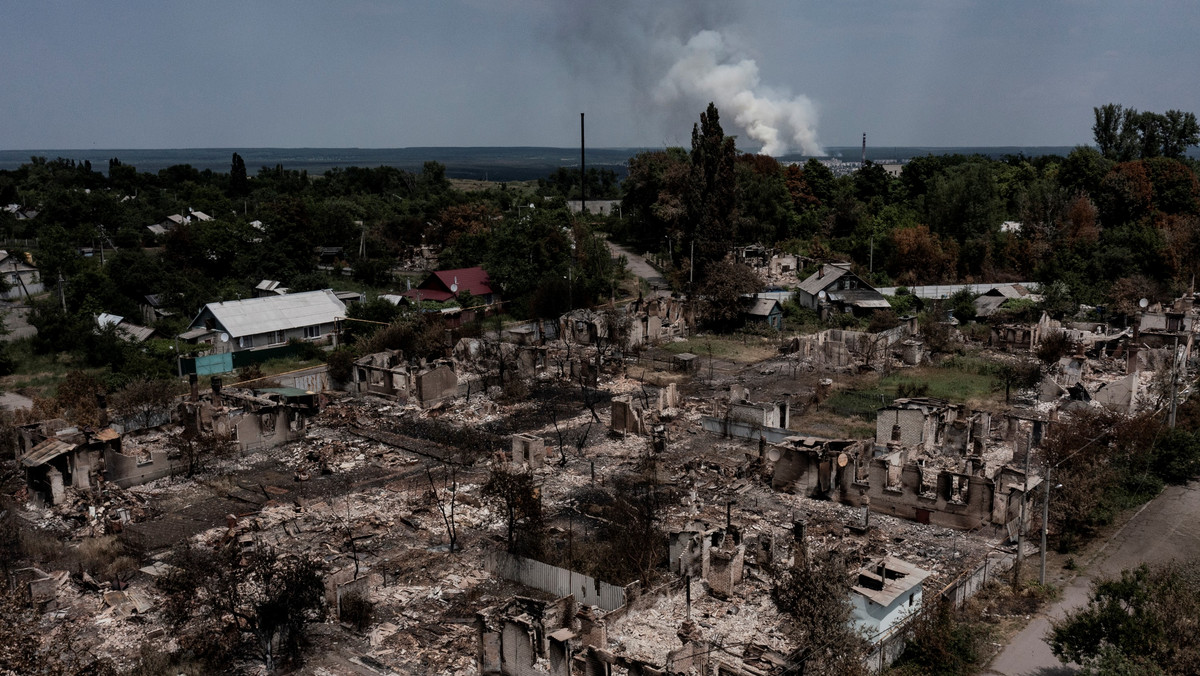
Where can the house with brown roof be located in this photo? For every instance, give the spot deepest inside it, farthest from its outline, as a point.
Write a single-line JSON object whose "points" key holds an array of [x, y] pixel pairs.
{"points": [[444, 285]]}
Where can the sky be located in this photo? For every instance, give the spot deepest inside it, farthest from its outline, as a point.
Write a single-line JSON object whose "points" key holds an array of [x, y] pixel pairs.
{"points": [[786, 75]]}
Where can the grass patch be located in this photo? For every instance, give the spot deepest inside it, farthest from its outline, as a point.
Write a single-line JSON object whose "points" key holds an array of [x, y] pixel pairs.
{"points": [[40, 374], [744, 349], [957, 383]]}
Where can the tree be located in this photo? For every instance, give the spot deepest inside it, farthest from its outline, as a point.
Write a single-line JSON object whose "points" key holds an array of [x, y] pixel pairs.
{"points": [[1017, 374], [817, 598], [713, 205], [239, 183], [20, 635], [723, 285], [1180, 131], [446, 506], [260, 595], [516, 496], [1116, 132], [143, 401], [1146, 618], [1124, 134], [197, 448]]}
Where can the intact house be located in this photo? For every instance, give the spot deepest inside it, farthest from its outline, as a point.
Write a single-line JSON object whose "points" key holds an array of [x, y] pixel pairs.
{"points": [[154, 308], [762, 312], [834, 287], [445, 285], [989, 303], [125, 330], [886, 592], [20, 275], [254, 323]]}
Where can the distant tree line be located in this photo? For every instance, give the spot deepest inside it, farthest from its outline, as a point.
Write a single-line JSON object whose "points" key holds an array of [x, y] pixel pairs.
{"points": [[1110, 223]]}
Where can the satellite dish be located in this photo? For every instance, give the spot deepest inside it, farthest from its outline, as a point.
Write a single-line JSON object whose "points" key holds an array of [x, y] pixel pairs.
{"points": [[822, 295], [224, 337], [773, 455], [1143, 303], [453, 288], [843, 460]]}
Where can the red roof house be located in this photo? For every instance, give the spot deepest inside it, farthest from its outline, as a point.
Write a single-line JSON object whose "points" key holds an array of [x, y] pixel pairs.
{"points": [[446, 284]]}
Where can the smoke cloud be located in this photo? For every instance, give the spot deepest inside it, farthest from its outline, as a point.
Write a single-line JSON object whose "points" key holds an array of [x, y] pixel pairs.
{"points": [[706, 68], [668, 60]]}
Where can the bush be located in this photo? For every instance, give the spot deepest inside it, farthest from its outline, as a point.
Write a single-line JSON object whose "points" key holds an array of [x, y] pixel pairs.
{"points": [[1054, 346], [945, 643], [1177, 456]]}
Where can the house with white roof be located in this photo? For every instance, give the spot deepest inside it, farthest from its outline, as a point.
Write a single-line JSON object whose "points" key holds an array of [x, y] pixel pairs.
{"points": [[20, 275], [270, 321], [887, 592]]}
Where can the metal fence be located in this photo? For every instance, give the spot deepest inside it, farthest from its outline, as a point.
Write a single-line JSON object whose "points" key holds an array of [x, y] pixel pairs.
{"points": [[888, 647], [554, 580]]}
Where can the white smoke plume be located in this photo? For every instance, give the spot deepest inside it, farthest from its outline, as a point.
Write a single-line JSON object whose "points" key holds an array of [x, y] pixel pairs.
{"points": [[707, 69]]}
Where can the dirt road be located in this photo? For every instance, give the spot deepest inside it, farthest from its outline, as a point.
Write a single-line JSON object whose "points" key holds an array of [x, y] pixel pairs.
{"points": [[639, 267], [1166, 528]]}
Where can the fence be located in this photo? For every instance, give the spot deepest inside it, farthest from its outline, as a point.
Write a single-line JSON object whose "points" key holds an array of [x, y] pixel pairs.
{"points": [[888, 647], [236, 360], [742, 430], [967, 584], [554, 580]]}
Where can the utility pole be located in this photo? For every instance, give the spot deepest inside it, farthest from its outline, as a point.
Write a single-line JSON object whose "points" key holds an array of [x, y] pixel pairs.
{"points": [[1045, 518], [1174, 383], [1021, 524], [582, 171]]}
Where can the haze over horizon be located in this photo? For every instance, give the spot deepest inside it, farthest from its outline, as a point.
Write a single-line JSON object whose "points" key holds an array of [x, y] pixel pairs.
{"points": [[786, 76]]}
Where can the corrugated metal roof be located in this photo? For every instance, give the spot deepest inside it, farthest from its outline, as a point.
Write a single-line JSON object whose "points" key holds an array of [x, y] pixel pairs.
{"points": [[472, 280], [251, 316], [46, 451], [818, 282], [760, 307]]}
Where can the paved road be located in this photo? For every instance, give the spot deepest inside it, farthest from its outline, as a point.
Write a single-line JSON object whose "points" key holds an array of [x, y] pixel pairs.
{"points": [[1166, 528], [639, 267]]}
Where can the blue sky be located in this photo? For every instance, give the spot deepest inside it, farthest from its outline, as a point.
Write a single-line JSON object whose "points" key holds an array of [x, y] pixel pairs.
{"points": [[365, 73]]}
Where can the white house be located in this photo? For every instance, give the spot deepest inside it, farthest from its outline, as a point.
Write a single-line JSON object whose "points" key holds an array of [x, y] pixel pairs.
{"points": [[251, 323], [20, 275], [887, 591]]}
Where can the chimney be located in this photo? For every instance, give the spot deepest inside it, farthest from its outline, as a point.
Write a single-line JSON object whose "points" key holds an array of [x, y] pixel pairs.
{"points": [[800, 534], [216, 391], [102, 404], [193, 383]]}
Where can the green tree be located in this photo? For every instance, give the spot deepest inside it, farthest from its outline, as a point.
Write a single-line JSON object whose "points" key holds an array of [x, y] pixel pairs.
{"points": [[817, 598], [1146, 617], [712, 209], [239, 183]]}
